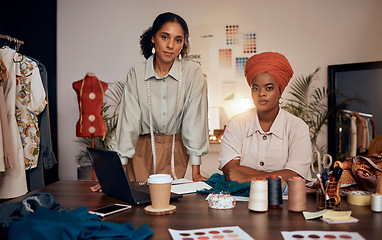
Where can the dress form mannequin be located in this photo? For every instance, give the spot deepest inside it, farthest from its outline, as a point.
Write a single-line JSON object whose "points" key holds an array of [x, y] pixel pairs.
{"points": [[90, 94]]}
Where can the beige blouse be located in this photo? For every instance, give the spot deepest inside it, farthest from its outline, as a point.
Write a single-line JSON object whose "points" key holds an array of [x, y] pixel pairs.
{"points": [[286, 146], [12, 182]]}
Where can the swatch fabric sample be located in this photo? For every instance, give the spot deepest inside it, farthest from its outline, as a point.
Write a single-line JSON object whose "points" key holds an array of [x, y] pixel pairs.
{"points": [[219, 184]]}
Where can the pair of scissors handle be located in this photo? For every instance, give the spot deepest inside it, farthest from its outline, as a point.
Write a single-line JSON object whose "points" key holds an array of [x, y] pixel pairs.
{"points": [[323, 163]]}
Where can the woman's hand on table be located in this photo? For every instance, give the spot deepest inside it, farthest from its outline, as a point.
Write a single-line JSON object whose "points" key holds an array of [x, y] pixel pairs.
{"points": [[198, 178], [96, 188]]}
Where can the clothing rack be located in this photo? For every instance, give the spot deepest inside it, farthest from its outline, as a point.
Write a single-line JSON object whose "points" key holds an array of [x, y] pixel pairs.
{"points": [[16, 41], [361, 114]]}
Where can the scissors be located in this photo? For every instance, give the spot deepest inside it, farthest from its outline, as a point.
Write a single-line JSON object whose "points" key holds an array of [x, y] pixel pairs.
{"points": [[322, 163]]}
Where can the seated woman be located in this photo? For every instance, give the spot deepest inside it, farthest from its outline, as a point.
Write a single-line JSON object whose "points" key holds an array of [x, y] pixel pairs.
{"points": [[266, 140]]}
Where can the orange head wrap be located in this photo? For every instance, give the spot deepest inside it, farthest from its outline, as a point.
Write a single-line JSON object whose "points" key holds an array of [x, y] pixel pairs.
{"points": [[271, 62]]}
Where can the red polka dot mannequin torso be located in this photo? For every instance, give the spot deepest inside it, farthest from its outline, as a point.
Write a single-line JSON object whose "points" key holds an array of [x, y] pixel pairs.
{"points": [[90, 94]]}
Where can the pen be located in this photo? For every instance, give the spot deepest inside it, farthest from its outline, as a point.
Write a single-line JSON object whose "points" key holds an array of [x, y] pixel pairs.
{"points": [[325, 175], [322, 186]]}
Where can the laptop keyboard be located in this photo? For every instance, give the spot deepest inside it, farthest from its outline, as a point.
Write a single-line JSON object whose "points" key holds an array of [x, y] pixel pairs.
{"points": [[140, 196]]}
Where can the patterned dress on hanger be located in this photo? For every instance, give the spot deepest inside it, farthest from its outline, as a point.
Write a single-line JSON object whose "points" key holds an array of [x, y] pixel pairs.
{"points": [[30, 101]]}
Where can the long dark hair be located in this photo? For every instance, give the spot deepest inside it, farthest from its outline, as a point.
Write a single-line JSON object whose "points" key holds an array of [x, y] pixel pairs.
{"points": [[145, 39]]}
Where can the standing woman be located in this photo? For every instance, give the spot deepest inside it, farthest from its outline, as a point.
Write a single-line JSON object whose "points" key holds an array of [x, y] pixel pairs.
{"points": [[162, 122]]}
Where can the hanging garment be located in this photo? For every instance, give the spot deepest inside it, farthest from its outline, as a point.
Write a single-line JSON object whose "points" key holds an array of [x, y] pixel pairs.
{"points": [[370, 129], [367, 131], [46, 158], [2, 159], [361, 134], [344, 136], [46, 150], [5, 133], [12, 181], [3, 74], [30, 101], [373, 130], [353, 136], [6, 156], [3, 71]]}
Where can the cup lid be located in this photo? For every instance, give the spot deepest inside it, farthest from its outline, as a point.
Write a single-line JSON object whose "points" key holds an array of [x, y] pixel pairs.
{"points": [[159, 178]]}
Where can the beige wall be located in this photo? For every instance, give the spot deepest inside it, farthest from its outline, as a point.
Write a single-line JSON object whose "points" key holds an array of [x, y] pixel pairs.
{"points": [[103, 37]]}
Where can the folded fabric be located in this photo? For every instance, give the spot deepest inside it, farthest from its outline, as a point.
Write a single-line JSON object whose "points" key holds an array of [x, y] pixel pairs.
{"points": [[77, 224], [219, 184]]}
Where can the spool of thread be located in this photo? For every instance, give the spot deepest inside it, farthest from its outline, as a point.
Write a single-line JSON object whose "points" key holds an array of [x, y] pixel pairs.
{"points": [[258, 195], [376, 202], [296, 194], [359, 198], [274, 192], [379, 184]]}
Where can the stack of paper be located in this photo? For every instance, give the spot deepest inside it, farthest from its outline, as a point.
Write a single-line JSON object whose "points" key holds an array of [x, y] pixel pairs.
{"points": [[331, 217]]}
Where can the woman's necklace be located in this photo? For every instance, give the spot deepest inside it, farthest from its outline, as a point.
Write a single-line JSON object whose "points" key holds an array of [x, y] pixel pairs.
{"points": [[151, 123]]}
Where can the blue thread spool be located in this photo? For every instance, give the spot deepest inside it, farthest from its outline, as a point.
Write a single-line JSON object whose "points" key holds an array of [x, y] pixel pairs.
{"points": [[274, 192]]}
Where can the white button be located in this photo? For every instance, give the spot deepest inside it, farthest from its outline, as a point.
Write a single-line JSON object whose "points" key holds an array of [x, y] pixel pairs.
{"points": [[92, 95], [91, 118], [92, 129]]}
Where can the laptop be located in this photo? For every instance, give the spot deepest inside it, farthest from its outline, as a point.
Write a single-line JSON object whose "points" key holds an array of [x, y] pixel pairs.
{"points": [[113, 180]]}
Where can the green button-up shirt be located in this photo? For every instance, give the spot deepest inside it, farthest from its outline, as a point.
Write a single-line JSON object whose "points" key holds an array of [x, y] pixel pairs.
{"points": [[191, 119]]}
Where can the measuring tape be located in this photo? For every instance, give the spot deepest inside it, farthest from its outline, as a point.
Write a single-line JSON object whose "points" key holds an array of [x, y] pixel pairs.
{"points": [[360, 198]]}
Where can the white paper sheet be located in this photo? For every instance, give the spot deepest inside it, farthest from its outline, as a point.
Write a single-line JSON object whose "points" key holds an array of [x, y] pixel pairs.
{"points": [[184, 188], [314, 234], [210, 233]]}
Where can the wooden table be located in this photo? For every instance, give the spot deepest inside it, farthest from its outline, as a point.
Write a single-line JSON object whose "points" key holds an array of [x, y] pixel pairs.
{"points": [[193, 213]]}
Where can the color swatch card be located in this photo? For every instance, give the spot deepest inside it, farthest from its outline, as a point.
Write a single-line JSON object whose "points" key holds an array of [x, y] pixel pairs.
{"points": [[240, 65], [228, 233], [225, 58], [249, 43], [232, 34], [321, 235]]}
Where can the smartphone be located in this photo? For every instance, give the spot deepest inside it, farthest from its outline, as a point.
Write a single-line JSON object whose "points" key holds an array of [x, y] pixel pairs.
{"points": [[111, 209]]}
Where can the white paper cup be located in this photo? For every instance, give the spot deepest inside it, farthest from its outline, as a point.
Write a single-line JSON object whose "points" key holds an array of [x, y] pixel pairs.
{"points": [[160, 190]]}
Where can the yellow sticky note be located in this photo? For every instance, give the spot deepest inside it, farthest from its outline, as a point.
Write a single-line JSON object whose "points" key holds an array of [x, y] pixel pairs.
{"points": [[337, 214], [312, 215]]}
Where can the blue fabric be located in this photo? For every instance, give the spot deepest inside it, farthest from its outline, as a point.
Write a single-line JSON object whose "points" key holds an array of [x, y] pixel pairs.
{"points": [[14, 211], [219, 184], [44, 224]]}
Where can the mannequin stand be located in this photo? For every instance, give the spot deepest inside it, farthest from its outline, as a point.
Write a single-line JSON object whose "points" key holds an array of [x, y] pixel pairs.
{"points": [[92, 138]]}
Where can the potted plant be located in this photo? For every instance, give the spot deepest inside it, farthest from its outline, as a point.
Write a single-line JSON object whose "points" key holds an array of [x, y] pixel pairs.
{"points": [[308, 102]]}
